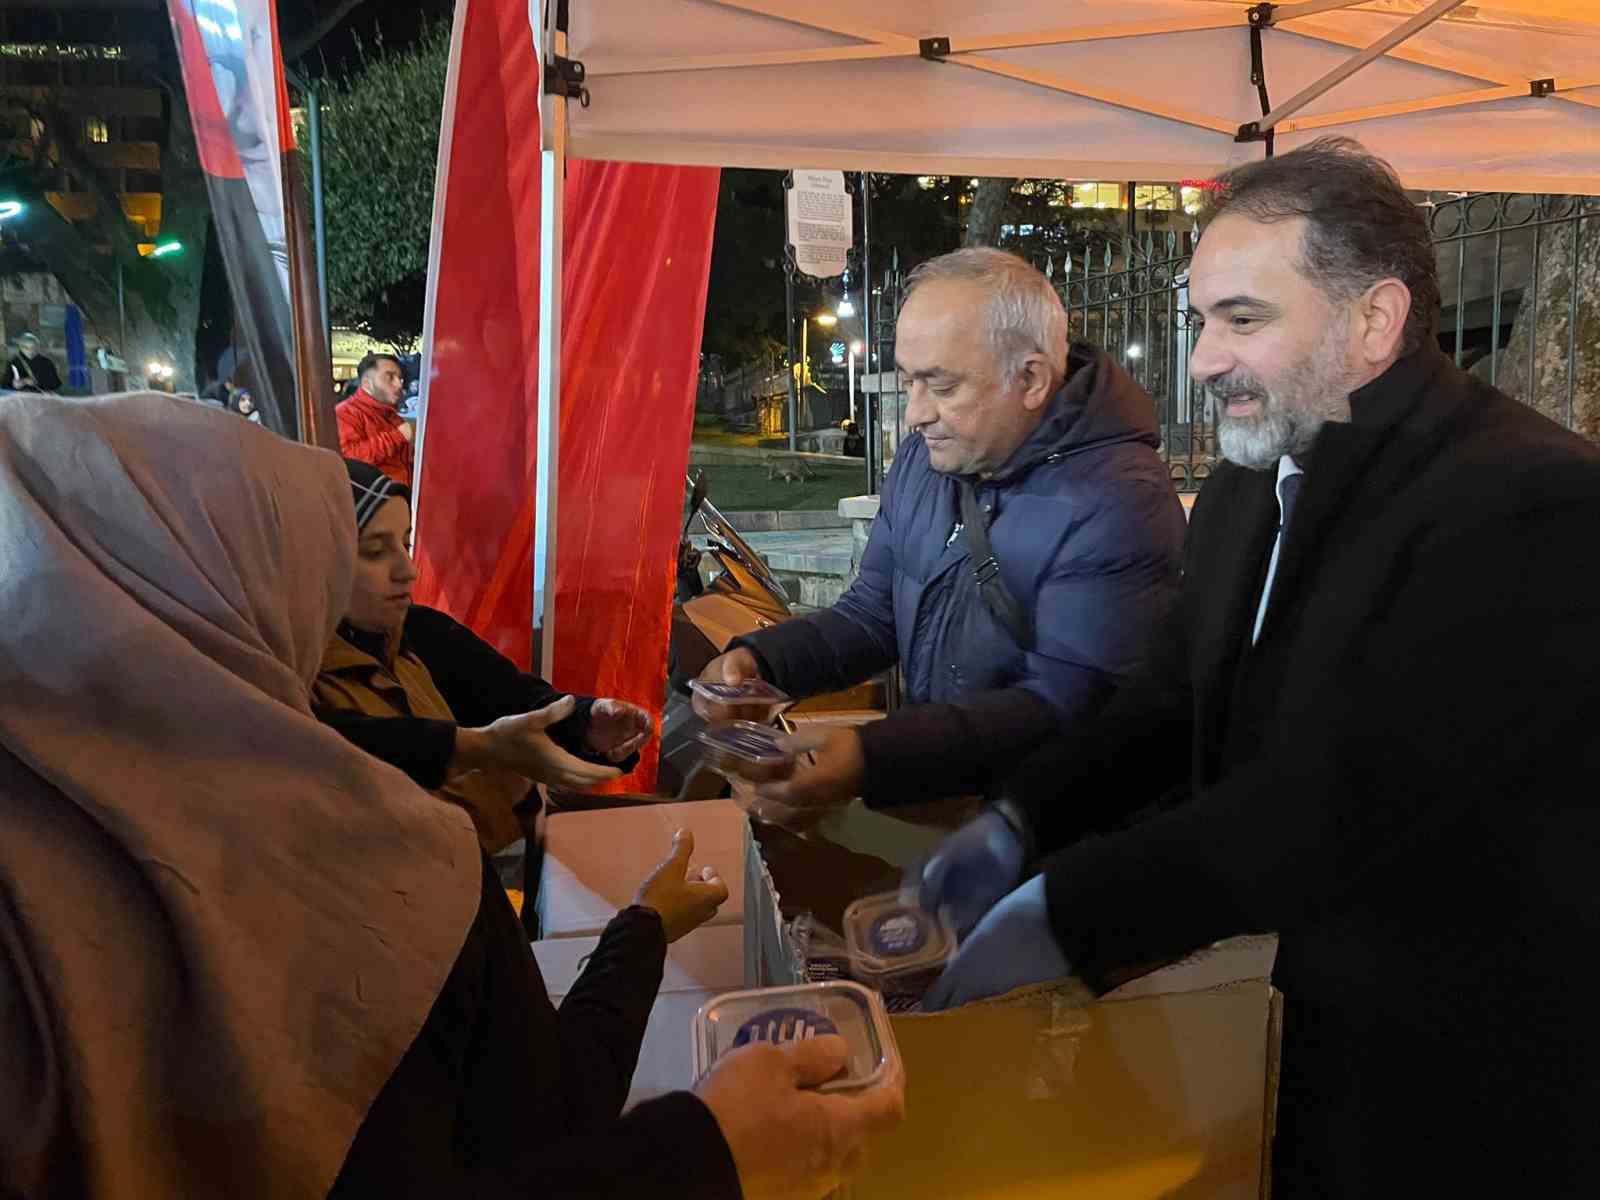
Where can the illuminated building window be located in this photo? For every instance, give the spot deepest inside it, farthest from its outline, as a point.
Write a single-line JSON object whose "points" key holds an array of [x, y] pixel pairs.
{"points": [[1160, 197], [1097, 195], [95, 131]]}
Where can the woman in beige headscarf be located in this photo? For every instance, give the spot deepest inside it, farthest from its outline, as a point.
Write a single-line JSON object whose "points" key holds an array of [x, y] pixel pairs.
{"points": [[198, 997]]}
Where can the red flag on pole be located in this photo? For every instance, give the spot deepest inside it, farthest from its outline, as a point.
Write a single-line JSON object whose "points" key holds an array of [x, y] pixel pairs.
{"points": [[239, 104]]}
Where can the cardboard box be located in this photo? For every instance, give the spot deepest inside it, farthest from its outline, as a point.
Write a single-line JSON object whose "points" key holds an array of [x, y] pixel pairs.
{"points": [[705, 964], [595, 861], [1164, 1088]]}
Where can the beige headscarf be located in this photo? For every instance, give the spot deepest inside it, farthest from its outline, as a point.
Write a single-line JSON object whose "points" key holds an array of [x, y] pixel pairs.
{"points": [[220, 925]]}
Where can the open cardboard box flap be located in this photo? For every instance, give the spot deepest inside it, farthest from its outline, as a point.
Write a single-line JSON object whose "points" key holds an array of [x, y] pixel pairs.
{"points": [[1165, 1087]]}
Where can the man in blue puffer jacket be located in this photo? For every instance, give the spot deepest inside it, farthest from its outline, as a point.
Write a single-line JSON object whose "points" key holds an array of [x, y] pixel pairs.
{"points": [[1005, 644]]}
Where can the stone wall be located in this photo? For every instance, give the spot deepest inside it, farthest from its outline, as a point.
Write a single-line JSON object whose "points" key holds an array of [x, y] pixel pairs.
{"points": [[1544, 383]]}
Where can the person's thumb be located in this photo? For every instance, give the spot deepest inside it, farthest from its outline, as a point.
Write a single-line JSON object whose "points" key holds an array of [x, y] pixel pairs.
{"points": [[552, 714], [816, 1060], [735, 667], [682, 848]]}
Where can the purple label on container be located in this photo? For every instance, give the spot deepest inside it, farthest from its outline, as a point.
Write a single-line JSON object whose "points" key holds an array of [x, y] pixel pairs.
{"points": [[784, 1025], [897, 933]]}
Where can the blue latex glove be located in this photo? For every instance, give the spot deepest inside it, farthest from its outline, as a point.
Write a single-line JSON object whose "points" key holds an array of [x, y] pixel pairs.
{"points": [[971, 870], [1011, 947]]}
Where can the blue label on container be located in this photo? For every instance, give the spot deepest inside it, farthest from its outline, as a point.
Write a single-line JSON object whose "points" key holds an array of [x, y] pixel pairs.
{"points": [[897, 933], [783, 1025]]}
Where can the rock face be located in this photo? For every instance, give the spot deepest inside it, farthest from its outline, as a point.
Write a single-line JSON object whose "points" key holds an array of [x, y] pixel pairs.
{"points": [[1552, 361]]}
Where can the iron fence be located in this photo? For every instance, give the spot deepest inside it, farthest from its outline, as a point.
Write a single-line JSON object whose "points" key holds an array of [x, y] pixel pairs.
{"points": [[1131, 298]]}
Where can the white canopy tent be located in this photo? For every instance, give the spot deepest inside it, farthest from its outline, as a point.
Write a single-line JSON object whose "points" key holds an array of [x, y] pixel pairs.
{"points": [[1498, 96]]}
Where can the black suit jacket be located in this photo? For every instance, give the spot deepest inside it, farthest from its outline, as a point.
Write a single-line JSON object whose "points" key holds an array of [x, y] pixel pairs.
{"points": [[1399, 778]]}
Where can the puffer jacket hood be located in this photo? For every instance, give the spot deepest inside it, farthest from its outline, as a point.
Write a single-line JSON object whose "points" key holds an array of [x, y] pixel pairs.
{"points": [[1100, 404]]}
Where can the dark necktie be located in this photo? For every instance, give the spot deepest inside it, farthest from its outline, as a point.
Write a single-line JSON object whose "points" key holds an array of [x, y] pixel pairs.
{"points": [[1289, 491]]}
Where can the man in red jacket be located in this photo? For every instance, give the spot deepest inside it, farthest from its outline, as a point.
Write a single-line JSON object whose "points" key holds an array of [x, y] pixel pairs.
{"points": [[371, 429]]}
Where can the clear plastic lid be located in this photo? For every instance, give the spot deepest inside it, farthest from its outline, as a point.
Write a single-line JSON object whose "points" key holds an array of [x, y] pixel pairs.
{"points": [[794, 1013], [746, 749], [751, 699], [888, 938]]}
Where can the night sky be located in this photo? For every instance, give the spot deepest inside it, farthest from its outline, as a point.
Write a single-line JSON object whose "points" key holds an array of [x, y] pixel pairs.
{"points": [[396, 21]]}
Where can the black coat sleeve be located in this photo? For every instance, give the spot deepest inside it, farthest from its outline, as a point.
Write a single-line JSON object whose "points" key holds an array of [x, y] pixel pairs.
{"points": [[602, 1019], [1096, 776], [481, 685], [950, 749], [1471, 697], [500, 1096]]}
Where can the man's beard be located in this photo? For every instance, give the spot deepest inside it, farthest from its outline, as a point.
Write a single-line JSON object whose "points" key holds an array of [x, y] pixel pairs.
{"points": [[1291, 415]]}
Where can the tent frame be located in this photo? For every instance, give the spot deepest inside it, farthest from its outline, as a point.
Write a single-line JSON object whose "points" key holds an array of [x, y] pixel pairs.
{"points": [[564, 79], [878, 44]]}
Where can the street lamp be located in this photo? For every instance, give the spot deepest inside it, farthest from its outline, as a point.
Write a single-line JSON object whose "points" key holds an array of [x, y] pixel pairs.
{"points": [[847, 309], [11, 208], [803, 371], [825, 319]]}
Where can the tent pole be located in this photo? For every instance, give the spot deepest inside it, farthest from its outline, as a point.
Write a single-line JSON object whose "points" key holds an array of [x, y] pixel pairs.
{"points": [[552, 204], [430, 304], [788, 325], [319, 220], [1353, 64], [866, 319]]}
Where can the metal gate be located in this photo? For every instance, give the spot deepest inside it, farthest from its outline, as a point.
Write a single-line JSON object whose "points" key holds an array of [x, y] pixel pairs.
{"points": [[1520, 280]]}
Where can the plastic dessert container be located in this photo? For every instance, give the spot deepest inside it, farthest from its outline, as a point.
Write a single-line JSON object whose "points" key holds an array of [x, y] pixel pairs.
{"points": [[752, 700], [793, 1013], [746, 750], [896, 947]]}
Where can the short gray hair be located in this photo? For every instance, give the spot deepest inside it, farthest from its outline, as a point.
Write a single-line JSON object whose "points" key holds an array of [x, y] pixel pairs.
{"points": [[1023, 313], [27, 336]]}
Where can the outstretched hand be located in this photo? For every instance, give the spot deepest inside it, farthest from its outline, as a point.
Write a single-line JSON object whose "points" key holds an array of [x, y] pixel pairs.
{"points": [[522, 744], [617, 729]]}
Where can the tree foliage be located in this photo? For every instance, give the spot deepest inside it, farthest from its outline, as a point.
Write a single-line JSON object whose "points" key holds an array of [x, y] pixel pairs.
{"points": [[380, 141], [913, 218]]}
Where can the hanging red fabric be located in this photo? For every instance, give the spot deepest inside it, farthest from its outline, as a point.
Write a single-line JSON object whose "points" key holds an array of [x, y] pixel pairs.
{"points": [[638, 261], [638, 254], [474, 535]]}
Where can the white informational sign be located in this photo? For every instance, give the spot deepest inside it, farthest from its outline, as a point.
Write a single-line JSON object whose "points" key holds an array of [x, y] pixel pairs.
{"points": [[821, 222]]}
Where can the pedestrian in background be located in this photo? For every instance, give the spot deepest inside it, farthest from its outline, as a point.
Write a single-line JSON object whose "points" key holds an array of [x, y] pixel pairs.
{"points": [[371, 429]]}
